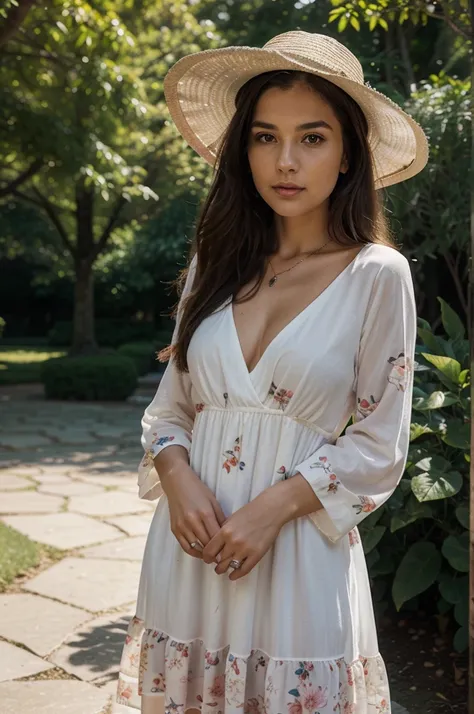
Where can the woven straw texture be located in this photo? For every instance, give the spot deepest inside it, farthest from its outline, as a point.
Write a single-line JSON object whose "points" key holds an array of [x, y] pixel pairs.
{"points": [[200, 91]]}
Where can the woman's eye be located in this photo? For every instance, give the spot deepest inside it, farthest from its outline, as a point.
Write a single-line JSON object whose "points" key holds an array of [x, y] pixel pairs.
{"points": [[316, 137]]}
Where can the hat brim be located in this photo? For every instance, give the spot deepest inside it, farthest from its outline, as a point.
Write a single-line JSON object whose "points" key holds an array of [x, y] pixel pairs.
{"points": [[200, 91]]}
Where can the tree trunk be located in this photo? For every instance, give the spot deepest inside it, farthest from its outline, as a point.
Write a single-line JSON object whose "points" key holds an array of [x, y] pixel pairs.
{"points": [[16, 15], [410, 80], [389, 55], [84, 333]]}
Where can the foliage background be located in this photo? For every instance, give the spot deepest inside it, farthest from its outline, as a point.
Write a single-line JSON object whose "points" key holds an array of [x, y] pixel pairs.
{"points": [[99, 194]]}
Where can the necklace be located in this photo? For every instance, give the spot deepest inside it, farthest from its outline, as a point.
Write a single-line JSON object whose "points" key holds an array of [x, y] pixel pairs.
{"points": [[273, 279]]}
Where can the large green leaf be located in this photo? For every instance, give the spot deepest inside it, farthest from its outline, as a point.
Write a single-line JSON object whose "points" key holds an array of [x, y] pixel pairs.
{"points": [[451, 321], [454, 588], [443, 606], [436, 485], [461, 611], [429, 339], [461, 642], [456, 551], [384, 566], [371, 538], [372, 558], [457, 434], [413, 511], [436, 400], [462, 514], [447, 366], [416, 573], [436, 462]]}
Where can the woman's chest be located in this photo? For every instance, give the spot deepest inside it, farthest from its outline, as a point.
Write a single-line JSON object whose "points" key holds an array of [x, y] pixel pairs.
{"points": [[313, 356]]}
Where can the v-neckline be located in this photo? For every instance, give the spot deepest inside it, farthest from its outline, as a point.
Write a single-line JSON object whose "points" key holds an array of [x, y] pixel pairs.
{"points": [[293, 320]]}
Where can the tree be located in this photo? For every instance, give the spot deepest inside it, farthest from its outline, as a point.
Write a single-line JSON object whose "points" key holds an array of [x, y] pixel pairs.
{"points": [[85, 135]]}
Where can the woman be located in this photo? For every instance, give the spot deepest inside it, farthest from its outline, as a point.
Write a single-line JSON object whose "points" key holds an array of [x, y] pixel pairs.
{"points": [[297, 314]]}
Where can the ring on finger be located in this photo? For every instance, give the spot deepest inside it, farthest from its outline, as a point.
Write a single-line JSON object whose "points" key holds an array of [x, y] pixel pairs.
{"points": [[235, 564], [195, 543]]}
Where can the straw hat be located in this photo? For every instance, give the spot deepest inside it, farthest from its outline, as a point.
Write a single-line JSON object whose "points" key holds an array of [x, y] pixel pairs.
{"points": [[200, 91]]}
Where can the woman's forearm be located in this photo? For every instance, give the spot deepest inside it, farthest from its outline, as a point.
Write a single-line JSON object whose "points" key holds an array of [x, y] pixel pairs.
{"points": [[170, 461], [291, 498]]}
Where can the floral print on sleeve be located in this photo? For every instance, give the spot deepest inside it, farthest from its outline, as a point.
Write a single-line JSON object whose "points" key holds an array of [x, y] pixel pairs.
{"points": [[366, 505], [366, 406], [324, 464], [401, 368], [161, 440]]}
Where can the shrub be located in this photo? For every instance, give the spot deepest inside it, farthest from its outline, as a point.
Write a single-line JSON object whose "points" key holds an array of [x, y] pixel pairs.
{"points": [[419, 540], [2, 325], [102, 377], [163, 339], [109, 332], [142, 353]]}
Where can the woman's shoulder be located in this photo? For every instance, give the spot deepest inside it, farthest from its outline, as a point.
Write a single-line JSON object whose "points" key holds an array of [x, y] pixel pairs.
{"points": [[379, 259]]}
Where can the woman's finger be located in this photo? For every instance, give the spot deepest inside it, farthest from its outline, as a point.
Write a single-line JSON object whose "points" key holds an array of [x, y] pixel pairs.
{"points": [[223, 566], [211, 524], [185, 543], [213, 548], [245, 568], [200, 531]]}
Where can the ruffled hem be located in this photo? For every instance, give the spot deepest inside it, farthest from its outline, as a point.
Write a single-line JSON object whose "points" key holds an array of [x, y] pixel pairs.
{"points": [[190, 676]]}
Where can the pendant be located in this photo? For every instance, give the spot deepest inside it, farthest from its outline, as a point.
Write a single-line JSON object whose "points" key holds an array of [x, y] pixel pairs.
{"points": [[272, 281]]}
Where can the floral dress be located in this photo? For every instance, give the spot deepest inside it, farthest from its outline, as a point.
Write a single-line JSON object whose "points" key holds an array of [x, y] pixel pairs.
{"points": [[297, 634]]}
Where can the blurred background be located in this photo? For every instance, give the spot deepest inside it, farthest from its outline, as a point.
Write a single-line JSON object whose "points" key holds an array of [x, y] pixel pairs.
{"points": [[98, 199]]}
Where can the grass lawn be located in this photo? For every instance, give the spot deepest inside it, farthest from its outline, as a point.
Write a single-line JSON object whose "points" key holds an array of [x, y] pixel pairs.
{"points": [[19, 365], [19, 554]]}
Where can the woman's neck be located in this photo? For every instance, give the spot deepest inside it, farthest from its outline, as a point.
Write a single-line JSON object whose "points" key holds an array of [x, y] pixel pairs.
{"points": [[300, 234]]}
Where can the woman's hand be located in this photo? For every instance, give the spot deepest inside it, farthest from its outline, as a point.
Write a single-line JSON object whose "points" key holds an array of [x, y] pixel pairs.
{"points": [[195, 513], [245, 536]]}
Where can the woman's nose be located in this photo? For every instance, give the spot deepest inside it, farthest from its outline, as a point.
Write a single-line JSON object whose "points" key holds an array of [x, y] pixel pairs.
{"points": [[286, 158]]}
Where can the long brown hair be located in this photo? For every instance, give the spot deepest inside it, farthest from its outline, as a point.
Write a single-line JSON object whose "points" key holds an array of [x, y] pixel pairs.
{"points": [[235, 230]]}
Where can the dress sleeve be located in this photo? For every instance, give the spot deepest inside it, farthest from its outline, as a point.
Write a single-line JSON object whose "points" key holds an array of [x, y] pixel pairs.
{"points": [[168, 420], [359, 472]]}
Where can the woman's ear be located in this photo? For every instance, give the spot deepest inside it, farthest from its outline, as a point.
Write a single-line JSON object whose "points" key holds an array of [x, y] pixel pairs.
{"points": [[344, 165]]}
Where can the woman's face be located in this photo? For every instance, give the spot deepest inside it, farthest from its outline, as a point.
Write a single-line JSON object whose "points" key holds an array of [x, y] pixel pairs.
{"points": [[281, 150]]}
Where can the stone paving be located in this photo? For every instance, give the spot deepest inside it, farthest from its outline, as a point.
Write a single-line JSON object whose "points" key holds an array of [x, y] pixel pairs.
{"points": [[68, 480]]}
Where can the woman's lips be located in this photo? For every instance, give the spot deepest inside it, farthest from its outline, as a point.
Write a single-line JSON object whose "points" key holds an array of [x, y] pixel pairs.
{"points": [[288, 192]]}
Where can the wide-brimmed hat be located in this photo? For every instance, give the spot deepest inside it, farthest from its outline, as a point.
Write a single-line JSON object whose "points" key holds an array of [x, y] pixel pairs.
{"points": [[200, 91]]}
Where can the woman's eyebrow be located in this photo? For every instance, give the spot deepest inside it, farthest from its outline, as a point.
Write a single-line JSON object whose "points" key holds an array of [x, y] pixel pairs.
{"points": [[309, 125]]}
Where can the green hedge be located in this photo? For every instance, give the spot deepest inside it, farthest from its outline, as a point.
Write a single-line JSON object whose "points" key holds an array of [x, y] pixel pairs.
{"points": [[103, 377], [142, 353], [109, 332]]}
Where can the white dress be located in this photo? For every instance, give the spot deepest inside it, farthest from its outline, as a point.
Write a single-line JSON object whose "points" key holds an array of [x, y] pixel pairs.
{"points": [[297, 634]]}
